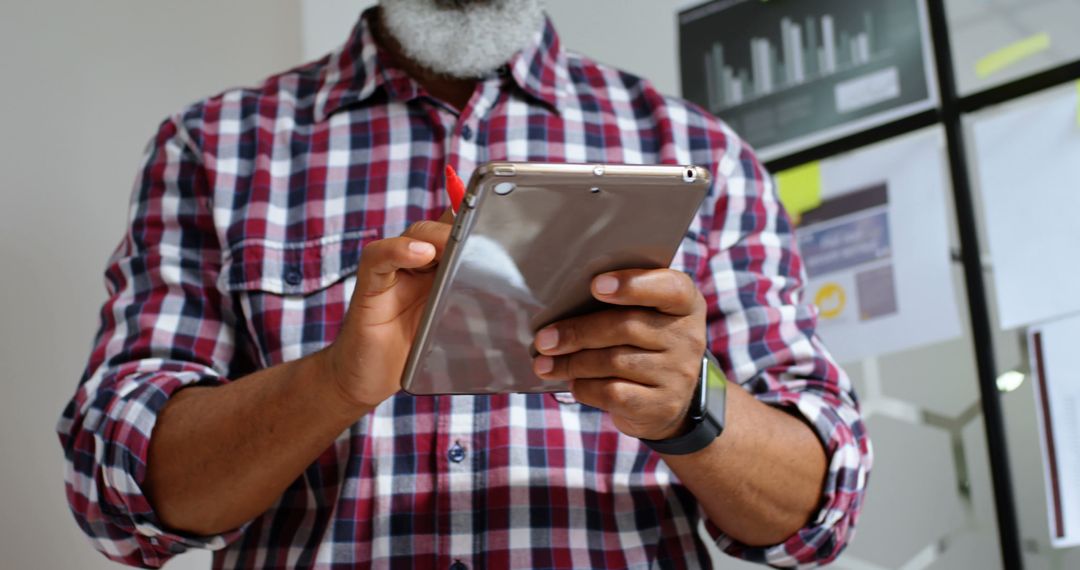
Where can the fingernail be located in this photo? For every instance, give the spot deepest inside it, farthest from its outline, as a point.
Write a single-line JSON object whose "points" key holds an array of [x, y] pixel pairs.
{"points": [[420, 247], [544, 364], [547, 338], [606, 284]]}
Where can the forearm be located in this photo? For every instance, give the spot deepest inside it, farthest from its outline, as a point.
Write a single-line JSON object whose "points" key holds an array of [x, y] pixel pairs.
{"points": [[221, 456], [762, 479]]}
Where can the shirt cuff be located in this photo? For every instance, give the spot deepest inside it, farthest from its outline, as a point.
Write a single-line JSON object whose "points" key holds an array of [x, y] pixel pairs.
{"points": [[828, 532], [122, 443]]}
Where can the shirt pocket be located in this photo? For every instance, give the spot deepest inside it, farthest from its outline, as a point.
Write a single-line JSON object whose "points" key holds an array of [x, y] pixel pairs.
{"points": [[293, 295]]}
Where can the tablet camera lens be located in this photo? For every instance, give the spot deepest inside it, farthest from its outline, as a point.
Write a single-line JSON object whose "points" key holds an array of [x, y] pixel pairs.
{"points": [[504, 188], [689, 175]]}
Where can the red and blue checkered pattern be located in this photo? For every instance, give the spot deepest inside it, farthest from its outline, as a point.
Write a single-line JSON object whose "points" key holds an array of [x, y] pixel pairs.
{"points": [[246, 226]]}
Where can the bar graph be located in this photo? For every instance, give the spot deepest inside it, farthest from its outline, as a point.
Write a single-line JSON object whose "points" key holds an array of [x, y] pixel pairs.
{"points": [[787, 74], [807, 50]]}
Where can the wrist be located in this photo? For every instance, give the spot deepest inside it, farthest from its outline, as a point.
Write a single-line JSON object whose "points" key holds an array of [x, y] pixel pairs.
{"points": [[705, 425], [679, 428], [328, 376]]}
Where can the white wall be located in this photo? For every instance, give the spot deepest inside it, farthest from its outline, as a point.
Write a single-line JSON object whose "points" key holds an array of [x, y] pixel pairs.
{"points": [[84, 86], [325, 24], [638, 36]]}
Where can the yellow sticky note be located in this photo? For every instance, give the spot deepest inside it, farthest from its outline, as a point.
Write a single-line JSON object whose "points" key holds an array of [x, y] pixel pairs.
{"points": [[800, 188], [1011, 54]]}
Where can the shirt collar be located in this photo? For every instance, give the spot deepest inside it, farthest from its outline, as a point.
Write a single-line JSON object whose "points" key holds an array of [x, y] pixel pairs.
{"points": [[539, 69], [351, 73], [359, 68]]}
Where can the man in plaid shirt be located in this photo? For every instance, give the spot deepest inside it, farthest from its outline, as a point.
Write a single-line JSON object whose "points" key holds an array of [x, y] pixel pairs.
{"points": [[243, 393]]}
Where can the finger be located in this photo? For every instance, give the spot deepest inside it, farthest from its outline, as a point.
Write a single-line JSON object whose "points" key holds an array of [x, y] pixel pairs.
{"points": [[642, 366], [643, 328], [667, 290], [436, 233], [381, 260], [447, 217], [613, 395]]}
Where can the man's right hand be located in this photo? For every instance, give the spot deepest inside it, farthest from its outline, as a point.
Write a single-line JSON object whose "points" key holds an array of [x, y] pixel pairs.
{"points": [[222, 456], [395, 276]]}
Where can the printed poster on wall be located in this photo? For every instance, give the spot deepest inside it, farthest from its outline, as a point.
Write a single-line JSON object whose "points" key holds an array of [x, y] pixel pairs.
{"points": [[1052, 348], [846, 245], [873, 233], [789, 74], [1029, 183]]}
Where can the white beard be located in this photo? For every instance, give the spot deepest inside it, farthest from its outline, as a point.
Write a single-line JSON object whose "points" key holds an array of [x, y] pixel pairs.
{"points": [[467, 41]]}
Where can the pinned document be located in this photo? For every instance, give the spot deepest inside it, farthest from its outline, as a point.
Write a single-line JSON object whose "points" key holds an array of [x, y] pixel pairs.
{"points": [[1026, 156], [994, 42], [873, 233], [1057, 402]]}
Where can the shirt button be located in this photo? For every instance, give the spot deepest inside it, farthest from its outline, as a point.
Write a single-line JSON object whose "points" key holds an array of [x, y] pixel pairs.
{"points": [[293, 276], [458, 565], [466, 132], [456, 454]]}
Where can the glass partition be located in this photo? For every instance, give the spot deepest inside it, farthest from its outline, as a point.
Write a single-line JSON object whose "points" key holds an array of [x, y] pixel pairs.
{"points": [[1011, 344], [997, 41]]}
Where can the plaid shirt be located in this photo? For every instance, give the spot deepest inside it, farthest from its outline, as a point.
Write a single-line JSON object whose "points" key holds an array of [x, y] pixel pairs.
{"points": [[246, 225]]}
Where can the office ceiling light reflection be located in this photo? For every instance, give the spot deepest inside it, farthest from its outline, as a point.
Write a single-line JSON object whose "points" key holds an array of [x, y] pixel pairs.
{"points": [[1009, 381]]}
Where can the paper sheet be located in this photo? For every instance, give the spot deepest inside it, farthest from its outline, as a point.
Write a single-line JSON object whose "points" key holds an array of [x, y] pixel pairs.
{"points": [[1028, 164], [876, 248], [1057, 401], [994, 42]]}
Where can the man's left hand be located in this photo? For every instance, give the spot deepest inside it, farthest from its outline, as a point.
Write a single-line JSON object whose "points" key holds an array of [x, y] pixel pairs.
{"points": [[639, 360]]}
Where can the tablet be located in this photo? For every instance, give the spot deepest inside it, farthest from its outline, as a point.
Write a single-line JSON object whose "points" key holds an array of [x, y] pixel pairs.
{"points": [[524, 248]]}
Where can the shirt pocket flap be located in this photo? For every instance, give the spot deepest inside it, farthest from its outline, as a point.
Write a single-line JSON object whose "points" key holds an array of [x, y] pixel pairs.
{"points": [[294, 268]]}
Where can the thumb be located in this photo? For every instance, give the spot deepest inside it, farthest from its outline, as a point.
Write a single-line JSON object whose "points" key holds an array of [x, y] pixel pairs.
{"points": [[381, 260]]}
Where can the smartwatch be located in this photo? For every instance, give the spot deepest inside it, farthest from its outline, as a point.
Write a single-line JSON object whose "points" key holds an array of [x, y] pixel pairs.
{"points": [[706, 413]]}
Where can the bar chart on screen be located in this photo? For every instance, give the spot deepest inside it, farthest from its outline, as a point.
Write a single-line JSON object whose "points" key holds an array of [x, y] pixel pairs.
{"points": [[800, 57], [788, 73]]}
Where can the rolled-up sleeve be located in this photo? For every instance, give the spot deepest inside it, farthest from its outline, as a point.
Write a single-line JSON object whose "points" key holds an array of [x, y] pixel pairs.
{"points": [[165, 325], [764, 334]]}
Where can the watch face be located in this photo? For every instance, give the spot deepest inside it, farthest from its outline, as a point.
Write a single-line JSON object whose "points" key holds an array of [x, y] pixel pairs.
{"points": [[717, 390], [714, 377]]}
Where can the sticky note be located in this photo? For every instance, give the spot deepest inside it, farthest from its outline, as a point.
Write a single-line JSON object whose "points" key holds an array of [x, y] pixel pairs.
{"points": [[800, 188], [1011, 54]]}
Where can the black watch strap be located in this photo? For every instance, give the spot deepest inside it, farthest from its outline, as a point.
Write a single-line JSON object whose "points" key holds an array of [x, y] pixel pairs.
{"points": [[698, 438], [712, 388]]}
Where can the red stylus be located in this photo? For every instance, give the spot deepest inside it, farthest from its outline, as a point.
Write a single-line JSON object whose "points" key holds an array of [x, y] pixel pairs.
{"points": [[455, 188]]}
